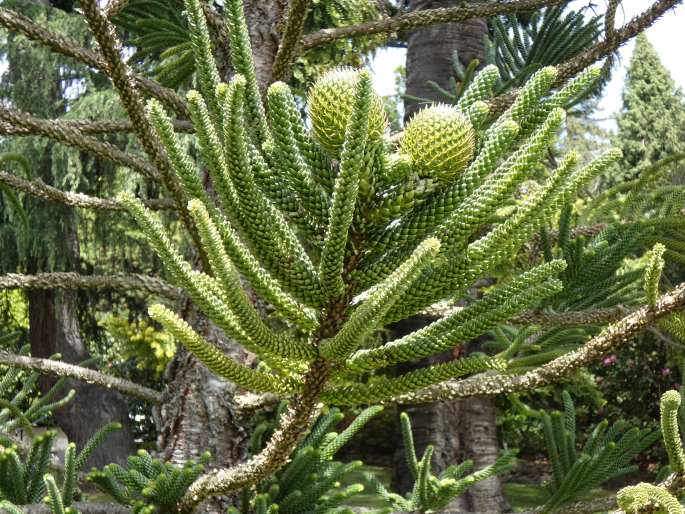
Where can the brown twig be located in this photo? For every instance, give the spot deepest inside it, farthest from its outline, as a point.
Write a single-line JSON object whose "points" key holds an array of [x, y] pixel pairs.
{"points": [[90, 127], [71, 280], [16, 22], [416, 19], [600, 50], [583, 507], [70, 136], [62, 369], [114, 7], [294, 425], [121, 76], [40, 189], [586, 317], [610, 19], [287, 49]]}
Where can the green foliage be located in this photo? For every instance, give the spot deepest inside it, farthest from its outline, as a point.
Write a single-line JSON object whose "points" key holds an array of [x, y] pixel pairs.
{"points": [[24, 477], [651, 121], [517, 46], [644, 496], [353, 52], [432, 493], [20, 407], [670, 403], [606, 454], [547, 37], [655, 265], [331, 105], [634, 499], [140, 342], [360, 272], [163, 38], [147, 484], [439, 140], [311, 482]]}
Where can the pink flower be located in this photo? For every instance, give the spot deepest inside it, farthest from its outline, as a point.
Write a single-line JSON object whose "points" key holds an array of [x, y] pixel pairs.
{"points": [[608, 361]]}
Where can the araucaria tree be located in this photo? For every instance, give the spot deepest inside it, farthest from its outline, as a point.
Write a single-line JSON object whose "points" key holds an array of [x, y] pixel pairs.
{"points": [[651, 124], [313, 234]]}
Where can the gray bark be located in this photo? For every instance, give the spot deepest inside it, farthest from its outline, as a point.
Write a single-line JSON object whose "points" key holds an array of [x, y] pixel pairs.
{"points": [[457, 429]]}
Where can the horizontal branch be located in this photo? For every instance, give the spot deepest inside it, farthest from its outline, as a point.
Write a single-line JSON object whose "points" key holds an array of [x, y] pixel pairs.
{"points": [[69, 280], [69, 136], [248, 402], [62, 369], [617, 38], [607, 503], [610, 338], [91, 127], [597, 52], [17, 22], [82, 507], [40, 189], [585, 317], [423, 18], [114, 7]]}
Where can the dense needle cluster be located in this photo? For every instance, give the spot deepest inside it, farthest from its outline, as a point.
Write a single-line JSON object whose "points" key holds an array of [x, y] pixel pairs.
{"points": [[342, 232]]}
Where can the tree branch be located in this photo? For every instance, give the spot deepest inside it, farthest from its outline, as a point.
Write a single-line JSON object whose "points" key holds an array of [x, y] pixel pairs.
{"points": [[69, 136], [114, 7], [416, 19], [69, 280], [618, 37], [287, 49], [121, 77], [91, 127], [62, 369], [582, 507], [82, 507], [40, 189], [16, 22], [293, 427], [610, 338], [586, 317], [600, 50]]}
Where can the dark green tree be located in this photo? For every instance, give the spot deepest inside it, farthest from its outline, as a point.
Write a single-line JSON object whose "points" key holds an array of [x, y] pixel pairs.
{"points": [[651, 124]]}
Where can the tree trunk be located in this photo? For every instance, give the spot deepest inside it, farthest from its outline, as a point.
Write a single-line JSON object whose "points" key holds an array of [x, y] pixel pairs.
{"points": [[458, 429], [54, 328], [430, 51]]}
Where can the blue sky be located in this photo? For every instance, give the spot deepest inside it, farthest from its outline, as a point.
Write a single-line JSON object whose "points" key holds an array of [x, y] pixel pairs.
{"points": [[667, 35]]}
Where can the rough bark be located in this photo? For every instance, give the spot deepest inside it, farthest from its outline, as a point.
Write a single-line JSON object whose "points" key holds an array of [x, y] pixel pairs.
{"points": [[198, 413], [457, 429], [478, 433]]}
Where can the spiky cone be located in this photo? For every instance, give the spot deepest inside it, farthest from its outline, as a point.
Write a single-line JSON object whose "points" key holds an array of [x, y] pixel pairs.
{"points": [[330, 102], [440, 142]]}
